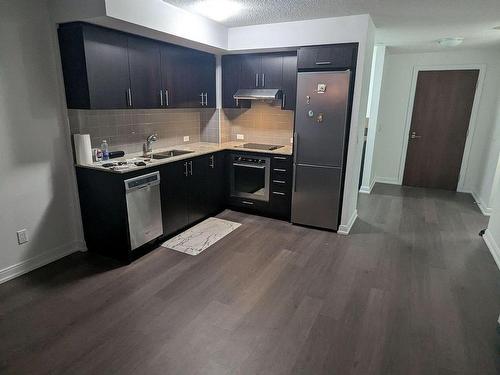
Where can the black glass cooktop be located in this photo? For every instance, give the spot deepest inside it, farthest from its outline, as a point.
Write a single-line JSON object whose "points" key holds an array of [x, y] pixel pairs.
{"points": [[260, 146]]}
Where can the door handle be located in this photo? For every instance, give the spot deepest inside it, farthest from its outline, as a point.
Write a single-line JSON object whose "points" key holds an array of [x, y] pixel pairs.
{"points": [[202, 101], [191, 168], [166, 97], [283, 101], [161, 98], [263, 80], [185, 169], [212, 162], [256, 79], [206, 99], [323, 62], [415, 136]]}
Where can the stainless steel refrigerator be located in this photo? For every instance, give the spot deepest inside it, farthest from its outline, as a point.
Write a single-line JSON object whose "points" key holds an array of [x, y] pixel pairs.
{"points": [[321, 117]]}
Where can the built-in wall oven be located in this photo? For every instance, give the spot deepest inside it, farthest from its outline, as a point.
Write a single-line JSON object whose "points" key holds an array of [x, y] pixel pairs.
{"points": [[250, 176]]}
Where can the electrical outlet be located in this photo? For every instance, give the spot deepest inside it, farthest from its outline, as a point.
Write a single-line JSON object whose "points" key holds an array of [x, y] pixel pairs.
{"points": [[22, 236], [240, 136], [186, 138]]}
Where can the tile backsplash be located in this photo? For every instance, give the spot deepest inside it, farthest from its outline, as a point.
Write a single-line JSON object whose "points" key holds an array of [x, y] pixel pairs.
{"points": [[263, 123], [127, 130]]}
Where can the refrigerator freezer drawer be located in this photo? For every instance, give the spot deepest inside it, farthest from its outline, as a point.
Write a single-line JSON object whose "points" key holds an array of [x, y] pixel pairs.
{"points": [[316, 196]]}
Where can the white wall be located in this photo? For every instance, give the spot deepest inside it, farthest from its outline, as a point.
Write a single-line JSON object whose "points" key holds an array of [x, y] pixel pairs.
{"points": [[395, 101], [299, 33], [372, 114], [37, 188], [492, 235]]}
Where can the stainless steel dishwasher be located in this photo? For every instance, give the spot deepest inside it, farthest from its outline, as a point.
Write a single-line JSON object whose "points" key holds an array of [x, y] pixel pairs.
{"points": [[144, 208]]}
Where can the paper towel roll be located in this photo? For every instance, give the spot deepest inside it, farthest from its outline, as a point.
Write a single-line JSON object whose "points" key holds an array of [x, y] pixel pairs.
{"points": [[83, 148]]}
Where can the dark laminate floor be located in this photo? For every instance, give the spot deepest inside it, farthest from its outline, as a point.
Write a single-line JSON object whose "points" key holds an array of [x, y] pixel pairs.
{"points": [[413, 290]]}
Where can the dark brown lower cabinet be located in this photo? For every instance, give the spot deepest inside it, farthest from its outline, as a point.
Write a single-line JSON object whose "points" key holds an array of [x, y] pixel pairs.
{"points": [[191, 190], [280, 190]]}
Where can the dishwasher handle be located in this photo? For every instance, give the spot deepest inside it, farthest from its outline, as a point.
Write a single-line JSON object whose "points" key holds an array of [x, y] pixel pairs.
{"points": [[140, 182]]}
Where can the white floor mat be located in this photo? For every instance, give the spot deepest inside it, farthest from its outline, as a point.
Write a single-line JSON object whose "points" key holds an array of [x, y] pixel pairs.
{"points": [[198, 238]]}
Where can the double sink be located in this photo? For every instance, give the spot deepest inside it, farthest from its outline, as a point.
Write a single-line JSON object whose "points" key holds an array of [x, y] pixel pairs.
{"points": [[170, 154]]}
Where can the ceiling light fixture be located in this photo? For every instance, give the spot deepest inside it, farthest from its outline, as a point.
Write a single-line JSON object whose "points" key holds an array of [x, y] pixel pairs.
{"points": [[218, 10], [450, 42]]}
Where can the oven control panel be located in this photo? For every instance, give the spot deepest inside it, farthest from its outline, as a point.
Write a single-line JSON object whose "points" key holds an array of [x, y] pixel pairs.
{"points": [[246, 159]]}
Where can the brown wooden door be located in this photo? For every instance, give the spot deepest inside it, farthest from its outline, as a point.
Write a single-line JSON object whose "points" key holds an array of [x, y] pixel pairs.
{"points": [[440, 120]]}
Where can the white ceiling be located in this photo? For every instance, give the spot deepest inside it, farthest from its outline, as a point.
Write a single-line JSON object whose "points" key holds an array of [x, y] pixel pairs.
{"points": [[403, 24]]}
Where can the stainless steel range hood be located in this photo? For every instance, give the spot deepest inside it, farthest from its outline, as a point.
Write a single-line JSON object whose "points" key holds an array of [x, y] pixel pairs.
{"points": [[257, 94]]}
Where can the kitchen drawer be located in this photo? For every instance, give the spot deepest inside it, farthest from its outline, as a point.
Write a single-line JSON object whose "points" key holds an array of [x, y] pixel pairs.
{"points": [[281, 183], [281, 204], [337, 56], [250, 204], [281, 173], [281, 161]]}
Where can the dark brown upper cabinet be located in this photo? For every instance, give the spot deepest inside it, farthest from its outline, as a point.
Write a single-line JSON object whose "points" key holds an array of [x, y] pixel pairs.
{"points": [[201, 79], [231, 73], [249, 71], [289, 84], [95, 67], [328, 57], [108, 69], [271, 71], [145, 73]]}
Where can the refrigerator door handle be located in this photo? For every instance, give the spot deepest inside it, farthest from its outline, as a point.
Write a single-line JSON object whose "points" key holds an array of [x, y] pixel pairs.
{"points": [[295, 146], [294, 177]]}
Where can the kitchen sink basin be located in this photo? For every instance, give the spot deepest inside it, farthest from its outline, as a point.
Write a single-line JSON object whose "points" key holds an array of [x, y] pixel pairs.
{"points": [[170, 154]]}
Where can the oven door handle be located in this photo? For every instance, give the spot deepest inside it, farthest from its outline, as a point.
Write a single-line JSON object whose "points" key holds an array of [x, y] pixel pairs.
{"points": [[249, 166]]}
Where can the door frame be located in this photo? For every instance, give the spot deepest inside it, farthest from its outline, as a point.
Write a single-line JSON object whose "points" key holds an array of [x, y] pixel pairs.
{"points": [[472, 122]]}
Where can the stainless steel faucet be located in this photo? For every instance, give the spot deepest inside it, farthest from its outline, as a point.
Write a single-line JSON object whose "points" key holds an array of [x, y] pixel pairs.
{"points": [[148, 146]]}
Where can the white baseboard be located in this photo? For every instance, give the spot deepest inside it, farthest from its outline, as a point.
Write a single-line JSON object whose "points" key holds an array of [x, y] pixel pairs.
{"points": [[387, 180], [345, 229], [367, 189], [492, 246], [39, 260], [480, 203]]}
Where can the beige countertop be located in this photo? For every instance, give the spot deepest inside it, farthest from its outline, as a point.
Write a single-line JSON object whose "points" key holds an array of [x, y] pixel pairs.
{"points": [[197, 149]]}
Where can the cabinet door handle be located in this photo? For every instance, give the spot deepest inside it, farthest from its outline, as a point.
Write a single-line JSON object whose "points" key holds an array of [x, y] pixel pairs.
{"points": [[263, 80], [323, 62], [166, 97], [278, 193], [185, 169], [257, 80], [212, 161], [279, 182], [247, 202], [191, 168], [202, 101], [283, 101], [279, 158], [129, 97], [279, 170], [161, 98], [206, 99]]}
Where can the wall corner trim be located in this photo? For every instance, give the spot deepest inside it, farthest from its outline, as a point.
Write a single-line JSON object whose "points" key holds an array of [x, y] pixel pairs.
{"points": [[492, 246], [485, 210], [367, 189], [40, 260], [345, 229]]}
